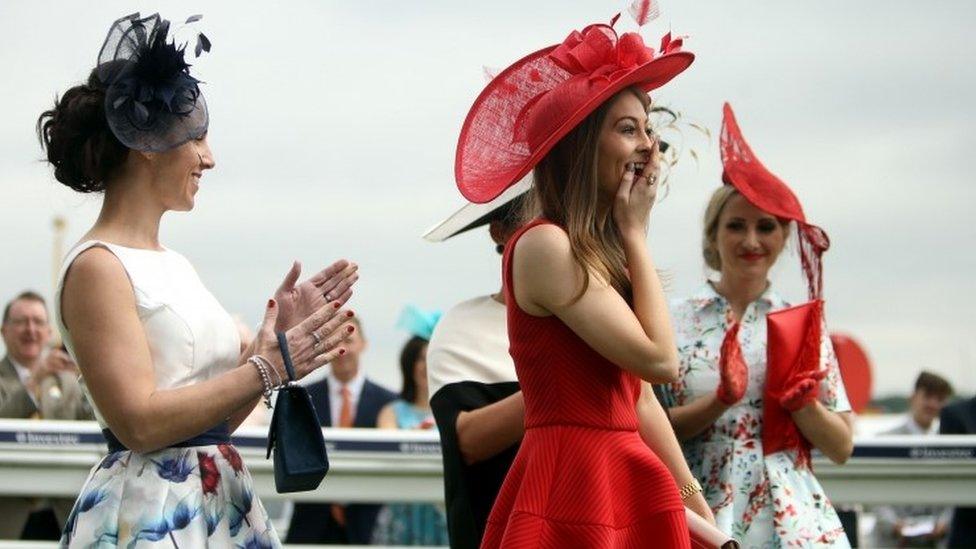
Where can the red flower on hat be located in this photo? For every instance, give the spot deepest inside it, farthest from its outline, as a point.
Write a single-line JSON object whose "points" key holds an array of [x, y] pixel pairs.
{"points": [[598, 53], [209, 474], [594, 58], [232, 457]]}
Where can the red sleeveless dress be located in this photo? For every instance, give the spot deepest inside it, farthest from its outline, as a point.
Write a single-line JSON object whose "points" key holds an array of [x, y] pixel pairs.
{"points": [[582, 477]]}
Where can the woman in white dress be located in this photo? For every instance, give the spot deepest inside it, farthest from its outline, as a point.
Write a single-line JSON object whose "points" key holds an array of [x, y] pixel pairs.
{"points": [[161, 360]]}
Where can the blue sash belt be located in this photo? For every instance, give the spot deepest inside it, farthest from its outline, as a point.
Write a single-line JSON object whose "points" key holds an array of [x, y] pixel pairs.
{"points": [[217, 435]]}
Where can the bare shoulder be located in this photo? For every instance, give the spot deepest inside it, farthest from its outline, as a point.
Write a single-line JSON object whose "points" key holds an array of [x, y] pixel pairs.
{"points": [[544, 246], [545, 272], [94, 268], [386, 419], [96, 283]]}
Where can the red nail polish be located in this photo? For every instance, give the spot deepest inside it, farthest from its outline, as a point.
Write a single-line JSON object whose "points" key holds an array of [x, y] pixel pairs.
{"points": [[348, 313], [350, 329], [336, 305], [271, 303], [342, 352]]}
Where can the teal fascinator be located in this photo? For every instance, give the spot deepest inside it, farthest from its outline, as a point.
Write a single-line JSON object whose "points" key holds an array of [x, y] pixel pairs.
{"points": [[418, 321]]}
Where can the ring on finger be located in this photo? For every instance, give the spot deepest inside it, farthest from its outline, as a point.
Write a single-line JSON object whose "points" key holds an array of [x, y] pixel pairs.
{"points": [[317, 338], [328, 296]]}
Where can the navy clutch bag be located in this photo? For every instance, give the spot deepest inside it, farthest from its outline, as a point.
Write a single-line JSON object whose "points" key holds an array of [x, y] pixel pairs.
{"points": [[295, 436]]}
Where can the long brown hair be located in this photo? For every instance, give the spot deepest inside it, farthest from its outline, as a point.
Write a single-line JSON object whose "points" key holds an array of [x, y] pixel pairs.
{"points": [[566, 191]]}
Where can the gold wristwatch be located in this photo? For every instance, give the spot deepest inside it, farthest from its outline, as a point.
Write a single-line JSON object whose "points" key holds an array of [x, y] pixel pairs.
{"points": [[690, 489]]}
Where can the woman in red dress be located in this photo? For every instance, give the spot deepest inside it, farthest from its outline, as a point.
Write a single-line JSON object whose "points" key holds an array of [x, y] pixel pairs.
{"points": [[588, 324]]}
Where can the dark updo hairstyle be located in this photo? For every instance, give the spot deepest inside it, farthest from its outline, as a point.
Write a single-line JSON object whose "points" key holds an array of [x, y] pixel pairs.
{"points": [[79, 143], [408, 361]]}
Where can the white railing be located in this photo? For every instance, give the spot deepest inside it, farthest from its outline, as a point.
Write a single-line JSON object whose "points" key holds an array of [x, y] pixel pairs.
{"points": [[52, 458]]}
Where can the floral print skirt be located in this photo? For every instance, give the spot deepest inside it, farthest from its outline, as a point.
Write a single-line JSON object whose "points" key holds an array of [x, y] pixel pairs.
{"points": [[200, 496]]}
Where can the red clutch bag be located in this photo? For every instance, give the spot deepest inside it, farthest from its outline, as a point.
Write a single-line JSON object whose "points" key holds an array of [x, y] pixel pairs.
{"points": [[792, 349], [706, 536]]}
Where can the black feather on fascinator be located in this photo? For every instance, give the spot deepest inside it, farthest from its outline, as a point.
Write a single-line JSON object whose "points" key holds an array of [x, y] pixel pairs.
{"points": [[151, 101]]}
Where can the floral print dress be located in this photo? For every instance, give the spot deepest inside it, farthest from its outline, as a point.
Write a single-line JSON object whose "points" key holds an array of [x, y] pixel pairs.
{"points": [[200, 496], [761, 501]]}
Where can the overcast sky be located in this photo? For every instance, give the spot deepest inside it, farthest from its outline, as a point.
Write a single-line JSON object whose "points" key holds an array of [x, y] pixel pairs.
{"points": [[334, 126]]}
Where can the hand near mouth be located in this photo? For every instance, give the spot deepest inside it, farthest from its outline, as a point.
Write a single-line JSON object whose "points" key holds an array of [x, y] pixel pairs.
{"points": [[633, 202]]}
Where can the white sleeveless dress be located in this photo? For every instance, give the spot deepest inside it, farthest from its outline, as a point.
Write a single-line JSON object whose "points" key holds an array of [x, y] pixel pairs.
{"points": [[198, 496]]}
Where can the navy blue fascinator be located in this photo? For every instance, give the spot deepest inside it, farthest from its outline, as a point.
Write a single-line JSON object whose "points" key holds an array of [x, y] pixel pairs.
{"points": [[151, 101]]}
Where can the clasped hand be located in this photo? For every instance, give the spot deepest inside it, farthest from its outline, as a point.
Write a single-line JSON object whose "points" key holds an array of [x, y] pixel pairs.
{"points": [[296, 303], [311, 315], [312, 343], [802, 390]]}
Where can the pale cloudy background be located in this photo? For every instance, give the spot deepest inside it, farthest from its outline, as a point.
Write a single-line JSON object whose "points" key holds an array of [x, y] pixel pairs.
{"points": [[334, 126]]}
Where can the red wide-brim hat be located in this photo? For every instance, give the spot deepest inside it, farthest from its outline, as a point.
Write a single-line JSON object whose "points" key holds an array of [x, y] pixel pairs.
{"points": [[531, 105]]}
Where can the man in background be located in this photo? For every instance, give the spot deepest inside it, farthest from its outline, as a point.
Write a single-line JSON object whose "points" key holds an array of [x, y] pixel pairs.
{"points": [[917, 525], [39, 383], [345, 398]]}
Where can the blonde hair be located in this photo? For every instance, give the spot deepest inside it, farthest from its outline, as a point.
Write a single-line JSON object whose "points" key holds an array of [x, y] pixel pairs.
{"points": [[716, 205], [713, 211], [566, 191]]}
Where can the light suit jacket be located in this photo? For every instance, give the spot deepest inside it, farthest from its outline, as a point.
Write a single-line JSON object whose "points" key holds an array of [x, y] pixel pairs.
{"points": [[60, 396]]}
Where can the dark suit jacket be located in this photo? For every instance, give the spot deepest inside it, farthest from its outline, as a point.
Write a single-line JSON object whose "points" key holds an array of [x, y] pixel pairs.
{"points": [[960, 419], [313, 522]]}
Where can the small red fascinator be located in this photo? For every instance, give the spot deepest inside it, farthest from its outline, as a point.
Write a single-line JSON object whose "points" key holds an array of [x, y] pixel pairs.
{"points": [[793, 335], [743, 170], [535, 102]]}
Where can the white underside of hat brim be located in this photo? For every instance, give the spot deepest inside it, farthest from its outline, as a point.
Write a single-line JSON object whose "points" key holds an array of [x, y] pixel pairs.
{"points": [[472, 212]]}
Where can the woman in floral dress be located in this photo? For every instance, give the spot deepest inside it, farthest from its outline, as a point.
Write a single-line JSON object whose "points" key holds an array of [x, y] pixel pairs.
{"points": [[761, 499], [161, 360]]}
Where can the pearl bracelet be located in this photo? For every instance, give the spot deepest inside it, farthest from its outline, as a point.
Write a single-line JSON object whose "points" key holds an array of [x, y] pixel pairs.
{"points": [[265, 379], [279, 382]]}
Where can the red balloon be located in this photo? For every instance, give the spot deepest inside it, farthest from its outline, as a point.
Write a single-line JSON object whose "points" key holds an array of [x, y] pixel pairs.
{"points": [[855, 370]]}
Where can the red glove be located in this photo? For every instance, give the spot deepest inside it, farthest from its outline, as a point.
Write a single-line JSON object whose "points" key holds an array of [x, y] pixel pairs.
{"points": [[733, 371], [802, 391]]}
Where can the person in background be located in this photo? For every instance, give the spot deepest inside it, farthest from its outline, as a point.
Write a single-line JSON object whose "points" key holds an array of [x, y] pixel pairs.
{"points": [[411, 523], [755, 474], [929, 397], [475, 394], [35, 382], [959, 418], [917, 525], [345, 398]]}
